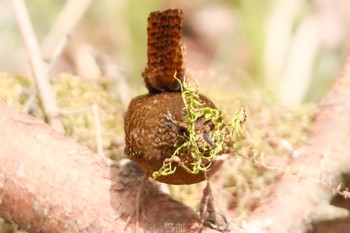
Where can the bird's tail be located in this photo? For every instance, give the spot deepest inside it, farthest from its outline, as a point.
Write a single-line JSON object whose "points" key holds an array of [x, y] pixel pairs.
{"points": [[165, 55]]}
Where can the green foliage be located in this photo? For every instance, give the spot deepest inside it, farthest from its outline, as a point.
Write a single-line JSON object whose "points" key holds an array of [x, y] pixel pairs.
{"points": [[200, 152]]}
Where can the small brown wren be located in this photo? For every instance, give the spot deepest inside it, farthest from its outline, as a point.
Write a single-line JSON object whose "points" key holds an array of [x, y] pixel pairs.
{"points": [[154, 123]]}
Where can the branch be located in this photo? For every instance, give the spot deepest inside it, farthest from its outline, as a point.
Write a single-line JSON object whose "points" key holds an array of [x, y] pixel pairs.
{"points": [[302, 198], [46, 95], [49, 183]]}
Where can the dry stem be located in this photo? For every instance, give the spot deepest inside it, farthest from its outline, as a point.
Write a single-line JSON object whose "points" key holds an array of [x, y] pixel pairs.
{"points": [[46, 95]]}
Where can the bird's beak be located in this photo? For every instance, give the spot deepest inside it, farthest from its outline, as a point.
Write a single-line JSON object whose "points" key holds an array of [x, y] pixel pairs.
{"points": [[208, 140]]}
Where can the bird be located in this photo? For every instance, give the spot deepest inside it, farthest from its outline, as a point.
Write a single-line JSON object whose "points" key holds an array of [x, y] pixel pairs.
{"points": [[155, 123], [174, 133]]}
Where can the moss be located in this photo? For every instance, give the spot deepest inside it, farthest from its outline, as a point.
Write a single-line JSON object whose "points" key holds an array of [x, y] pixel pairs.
{"points": [[14, 89], [72, 94], [242, 183], [198, 152]]}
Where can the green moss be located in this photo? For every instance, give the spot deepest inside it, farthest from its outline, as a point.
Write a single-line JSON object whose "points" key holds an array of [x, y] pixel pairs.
{"points": [[72, 94], [199, 152], [244, 183], [241, 182], [14, 89]]}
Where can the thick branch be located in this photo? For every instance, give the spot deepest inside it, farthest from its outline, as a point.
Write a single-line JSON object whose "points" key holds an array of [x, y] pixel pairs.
{"points": [[300, 199], [49, 183]]}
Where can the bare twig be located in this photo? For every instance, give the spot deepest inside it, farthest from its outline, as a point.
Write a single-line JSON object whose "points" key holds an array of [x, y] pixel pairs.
{"points": [[97, 122], [57, 38], [46, 95], [112, 71], [98, 127], [138, 203]]}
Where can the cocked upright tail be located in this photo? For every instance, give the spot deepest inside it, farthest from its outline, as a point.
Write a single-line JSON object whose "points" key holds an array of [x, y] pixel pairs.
{"points": [[165, 56]]}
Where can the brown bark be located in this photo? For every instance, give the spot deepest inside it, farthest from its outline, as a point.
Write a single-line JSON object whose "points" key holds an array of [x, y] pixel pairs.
{"points": [[50, 183], [302, 198]]}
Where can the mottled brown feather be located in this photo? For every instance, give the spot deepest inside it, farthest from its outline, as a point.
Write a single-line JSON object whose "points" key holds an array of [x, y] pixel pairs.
{"points": [[164, 51], [152, 134], [155, 124]]}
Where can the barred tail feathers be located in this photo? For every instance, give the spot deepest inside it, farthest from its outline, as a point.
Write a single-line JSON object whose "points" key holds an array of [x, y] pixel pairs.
{"points": [[165, 56]]}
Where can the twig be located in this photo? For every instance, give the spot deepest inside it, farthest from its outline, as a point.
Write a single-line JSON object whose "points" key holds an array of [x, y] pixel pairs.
{"points": [[138, 203], [51, 61], [112, 71], [28, 105], [62, 29], [97, 122], [46, 95]]}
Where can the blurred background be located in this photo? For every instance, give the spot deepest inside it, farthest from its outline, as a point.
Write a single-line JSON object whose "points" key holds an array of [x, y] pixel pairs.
{"points": [[291, 49]]}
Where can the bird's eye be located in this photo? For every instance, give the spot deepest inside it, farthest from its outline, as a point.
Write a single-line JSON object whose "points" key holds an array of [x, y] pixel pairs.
{"points": [[182, 130]]}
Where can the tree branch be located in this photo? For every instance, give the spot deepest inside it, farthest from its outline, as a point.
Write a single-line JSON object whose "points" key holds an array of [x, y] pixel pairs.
{"points": [[302, 195], [49, 183]]}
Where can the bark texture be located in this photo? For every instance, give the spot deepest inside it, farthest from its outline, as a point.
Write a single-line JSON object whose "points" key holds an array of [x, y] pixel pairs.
{"points": [[50, 183], [302, 194]]}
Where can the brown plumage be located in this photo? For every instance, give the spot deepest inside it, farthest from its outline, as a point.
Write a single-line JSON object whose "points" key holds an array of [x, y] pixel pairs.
{"points": [[164, 51], [154, 123], [154, 127]]}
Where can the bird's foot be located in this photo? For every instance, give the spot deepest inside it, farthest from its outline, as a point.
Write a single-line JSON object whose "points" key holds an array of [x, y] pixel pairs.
{"points": [[210, 215]]}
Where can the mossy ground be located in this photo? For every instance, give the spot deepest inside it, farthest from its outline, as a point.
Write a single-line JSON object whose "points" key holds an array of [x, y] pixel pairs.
{"points": [[241, 183], [72, 94], [270, 130], [200, 152]]}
